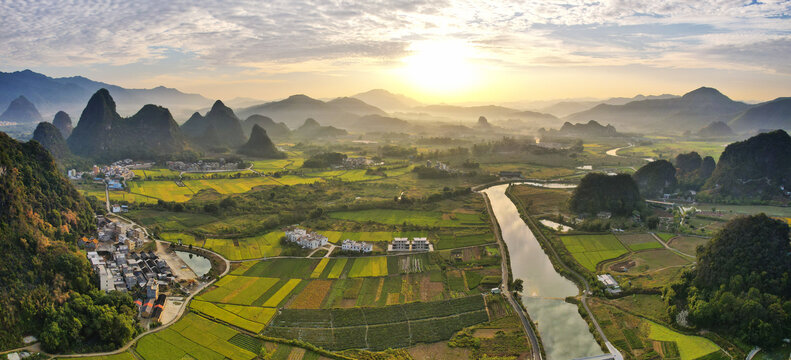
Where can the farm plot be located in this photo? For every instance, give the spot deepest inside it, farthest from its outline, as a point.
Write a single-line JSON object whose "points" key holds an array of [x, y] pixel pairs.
{"points": [[195, 337], [163, 190], [414, 217], [283, 268], [255, 247], [171, 221], [281, 293], [230, 186], [122, 356], [369, 266], [379, 328], [688, 244], [312, 296], [337, 268], [176, 237], [226, 316], [589, 250], [457, 239], [240, 290], [253, 313], [637, 242]]}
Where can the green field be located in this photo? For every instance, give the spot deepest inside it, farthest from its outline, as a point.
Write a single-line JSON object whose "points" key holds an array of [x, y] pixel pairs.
{"points": [[689, 347], [669, 149], [589, 250], [171, 221], [281, 293], [240, 290], [175, 237], [379, 328], [637, 242], [224, 315], [195, 337], [414, 217], [165, 190], [369, 266], [255, 247]]}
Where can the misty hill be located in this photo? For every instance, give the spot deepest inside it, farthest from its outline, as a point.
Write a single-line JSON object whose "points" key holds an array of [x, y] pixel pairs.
{"points": [[62, 121], [590, 129], [219, 128], [715, 129], [597, 192], [312, 129], [355, 106], [260, 145], [388, 101], [103, 134], [655, 178], [470, 112], [565, 108], [71, 93], [51, 139], [21, 111], [275, 130], [775, 114], [296, 108], [757, 168], [692, 111], [379, 123]]}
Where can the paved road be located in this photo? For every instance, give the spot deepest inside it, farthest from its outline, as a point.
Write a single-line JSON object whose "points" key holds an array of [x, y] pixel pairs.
{"points": [[526, 324]]}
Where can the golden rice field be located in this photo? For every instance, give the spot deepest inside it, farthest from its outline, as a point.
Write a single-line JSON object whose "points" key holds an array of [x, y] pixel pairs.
{"points": [[255, 247], [369, 266], [281, 294]]}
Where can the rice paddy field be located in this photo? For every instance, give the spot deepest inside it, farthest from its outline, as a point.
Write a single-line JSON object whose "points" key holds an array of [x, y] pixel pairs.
{"points": [[589, 250], [255, 247], [414, 217], [379, 328], [192, 337], [637, 242], [637, 336]]}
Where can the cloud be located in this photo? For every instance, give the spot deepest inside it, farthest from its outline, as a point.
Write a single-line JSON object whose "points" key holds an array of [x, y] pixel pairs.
{"points": [[264, 34]]}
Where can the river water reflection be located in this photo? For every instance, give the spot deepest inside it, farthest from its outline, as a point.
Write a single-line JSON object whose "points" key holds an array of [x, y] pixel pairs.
{"points": [[563, 332]]}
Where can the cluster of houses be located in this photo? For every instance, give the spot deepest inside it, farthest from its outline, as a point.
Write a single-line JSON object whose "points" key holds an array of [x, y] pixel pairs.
{"points": [[154, 303], [201, 166], [357, 162], [360, 246], [404, 244], [438, 165], [305, 239], [610, 284], [113, 235]]}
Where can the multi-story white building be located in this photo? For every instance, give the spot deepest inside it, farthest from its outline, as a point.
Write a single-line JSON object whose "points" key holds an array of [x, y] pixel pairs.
{"points": [[305, 239], [361, 246]]}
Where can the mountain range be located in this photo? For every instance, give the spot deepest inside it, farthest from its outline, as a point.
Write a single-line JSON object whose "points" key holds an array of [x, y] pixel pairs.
{"points": [[218, 128], [71, 93], [21, 111]]}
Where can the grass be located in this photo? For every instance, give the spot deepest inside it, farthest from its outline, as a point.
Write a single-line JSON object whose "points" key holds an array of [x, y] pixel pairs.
{"points": [[689, 347], [281, 294], [688, 244], [589, 250], [637, 242], [414, 217], [369, 266]]}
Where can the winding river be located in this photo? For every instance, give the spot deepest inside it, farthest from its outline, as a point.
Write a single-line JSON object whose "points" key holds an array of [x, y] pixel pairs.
{"points": [[563, 332]]}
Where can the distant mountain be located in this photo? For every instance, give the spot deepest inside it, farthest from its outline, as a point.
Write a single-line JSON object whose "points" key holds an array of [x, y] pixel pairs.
{"points": [[590, 129], [355, 106], [757, 168], [379, 123], [483, 123], [51, 139], [565, 108], [275, 130], [533, 115], [224, 123], [471, 112], [21, 111], [260, 146], [312, 129], [715, 129], [71, 93], [775, 114], [692, 111], [296, 108], [103, 134], [62, 121], [386, 100]]}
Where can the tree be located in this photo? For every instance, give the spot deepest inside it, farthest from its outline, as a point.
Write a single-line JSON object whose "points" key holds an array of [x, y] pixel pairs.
{"points": [[517, 285]]}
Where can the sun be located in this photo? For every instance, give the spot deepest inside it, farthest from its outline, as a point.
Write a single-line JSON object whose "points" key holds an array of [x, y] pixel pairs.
{"points": [[440, 66]]}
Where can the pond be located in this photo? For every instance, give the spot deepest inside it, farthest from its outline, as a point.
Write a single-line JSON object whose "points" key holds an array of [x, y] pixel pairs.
{"points": [[553, 225], [199, 264]]}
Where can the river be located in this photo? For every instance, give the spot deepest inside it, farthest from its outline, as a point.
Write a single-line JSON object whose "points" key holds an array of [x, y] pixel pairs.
{"points": [[563, 332]]}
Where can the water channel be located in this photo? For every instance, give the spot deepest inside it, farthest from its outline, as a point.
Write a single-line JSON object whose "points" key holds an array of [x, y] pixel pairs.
{"points": [[563, 332], [199, 264]]}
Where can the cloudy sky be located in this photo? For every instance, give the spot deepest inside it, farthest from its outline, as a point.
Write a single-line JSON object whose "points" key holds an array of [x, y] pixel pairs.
{"points": [[435, 50]]}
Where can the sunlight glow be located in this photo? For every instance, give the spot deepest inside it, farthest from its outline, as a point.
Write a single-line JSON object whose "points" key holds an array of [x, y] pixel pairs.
{"points": [[440, 66]]}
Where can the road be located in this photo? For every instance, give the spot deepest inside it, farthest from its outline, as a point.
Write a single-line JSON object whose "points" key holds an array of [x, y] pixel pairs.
{"points": [[526, 324], [672, 248]]}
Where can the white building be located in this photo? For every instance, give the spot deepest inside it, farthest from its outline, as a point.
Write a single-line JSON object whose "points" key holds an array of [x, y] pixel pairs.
{"points": [[417, 244], [420, 244], [400, 244], [305, 239], [361, 246], [610, 283]]}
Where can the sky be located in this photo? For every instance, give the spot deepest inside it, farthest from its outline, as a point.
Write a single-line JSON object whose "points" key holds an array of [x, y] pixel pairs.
{"points": [[455, 51]]}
